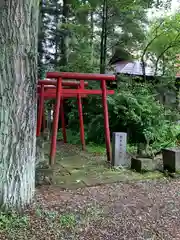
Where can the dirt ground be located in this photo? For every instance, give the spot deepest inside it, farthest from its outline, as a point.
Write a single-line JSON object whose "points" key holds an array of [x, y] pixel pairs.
{"points": [[142, 210], [139, 209]]}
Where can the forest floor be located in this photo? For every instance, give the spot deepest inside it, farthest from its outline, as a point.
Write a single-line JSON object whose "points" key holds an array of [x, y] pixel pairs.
{"points": [[76, 168], [135, 209]]}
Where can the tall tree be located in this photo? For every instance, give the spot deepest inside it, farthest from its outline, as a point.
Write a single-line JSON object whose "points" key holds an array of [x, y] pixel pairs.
{"points": [[64, 41], [122, 26], [104, 37], [162, 44], [49, 34], [18, 78], [41, 37], [166, 44]]}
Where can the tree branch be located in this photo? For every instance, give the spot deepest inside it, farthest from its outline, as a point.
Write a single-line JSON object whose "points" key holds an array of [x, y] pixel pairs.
{"points": [[147, 46], [173, 44]]}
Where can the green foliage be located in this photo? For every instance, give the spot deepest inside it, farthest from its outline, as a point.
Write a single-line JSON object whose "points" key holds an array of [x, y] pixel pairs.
{"points": [[167, 136], [73, 30], [95, 148], [144, 118], [67, 221], [76, 34], [41, 213], [163, 41], [134, 109], [73, 136], [11, 220]]}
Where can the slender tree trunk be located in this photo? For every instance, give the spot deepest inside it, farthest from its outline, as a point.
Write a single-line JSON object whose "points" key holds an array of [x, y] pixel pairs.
{"points": [[104, 37], [40, 40], [102, 40], [92, 36], [56, 36], [18, 76], [65, 40]]}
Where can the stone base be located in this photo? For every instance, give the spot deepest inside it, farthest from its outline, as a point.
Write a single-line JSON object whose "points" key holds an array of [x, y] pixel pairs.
{"points": [[171, 159], [142, 164], [126, 163]]}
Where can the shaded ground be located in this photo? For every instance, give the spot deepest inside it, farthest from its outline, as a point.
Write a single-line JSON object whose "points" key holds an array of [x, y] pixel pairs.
{"points": [[75, 168], [141, 210], [144, 209]]}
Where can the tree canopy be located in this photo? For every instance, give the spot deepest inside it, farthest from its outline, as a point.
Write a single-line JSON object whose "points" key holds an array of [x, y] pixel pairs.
{"points": [[164, 41]]}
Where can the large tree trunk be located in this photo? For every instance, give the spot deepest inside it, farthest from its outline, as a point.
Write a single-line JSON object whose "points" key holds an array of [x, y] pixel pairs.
{"points": [[18, 66]]}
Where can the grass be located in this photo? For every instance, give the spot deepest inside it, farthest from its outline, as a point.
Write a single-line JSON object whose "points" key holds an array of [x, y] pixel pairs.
{"points": [[41, 213], [68, 220], [74, 138], [95, 148], [65, 220]]}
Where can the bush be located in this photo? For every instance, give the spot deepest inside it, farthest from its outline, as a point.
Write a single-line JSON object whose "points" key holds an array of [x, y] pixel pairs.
{"points": [[73, 137], [144, 118], [133, 109]]}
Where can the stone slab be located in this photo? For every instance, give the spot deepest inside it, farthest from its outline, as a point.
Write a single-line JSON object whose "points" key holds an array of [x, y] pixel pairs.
{"points": [[80, 170], [142, 164], [73, 162], [119, 144], [171, 159]]}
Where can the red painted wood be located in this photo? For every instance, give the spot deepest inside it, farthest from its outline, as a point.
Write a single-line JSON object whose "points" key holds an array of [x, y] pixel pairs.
{"points": [[44, 119], [81, 122], [49, 83], [40, 112], [65, 96], [81, 76], [82, 84], [55, 122], [54, 90], [63, 124], [78, 91], [106, 120]]}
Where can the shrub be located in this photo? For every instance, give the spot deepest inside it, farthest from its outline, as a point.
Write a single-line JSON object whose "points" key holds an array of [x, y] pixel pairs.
{"points": [[134, 109]]}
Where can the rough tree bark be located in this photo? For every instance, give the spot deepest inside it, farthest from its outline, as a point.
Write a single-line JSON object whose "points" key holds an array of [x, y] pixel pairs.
{"points": [[18, 76]]}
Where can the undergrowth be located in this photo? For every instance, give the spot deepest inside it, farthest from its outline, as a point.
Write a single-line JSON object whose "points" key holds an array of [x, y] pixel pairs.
{"points": [[74, 138], [12, 220], [134, 109]]}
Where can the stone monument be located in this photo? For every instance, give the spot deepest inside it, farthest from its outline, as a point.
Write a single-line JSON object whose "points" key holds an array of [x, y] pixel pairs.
{"points": [[119, 154]]}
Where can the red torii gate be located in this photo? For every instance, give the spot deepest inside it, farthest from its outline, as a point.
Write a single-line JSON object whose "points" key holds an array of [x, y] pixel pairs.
{"points": [[47, 91], [56, 91]]}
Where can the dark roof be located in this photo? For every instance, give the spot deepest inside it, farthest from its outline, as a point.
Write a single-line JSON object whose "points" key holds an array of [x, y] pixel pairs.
{"points": [[120, 55]]}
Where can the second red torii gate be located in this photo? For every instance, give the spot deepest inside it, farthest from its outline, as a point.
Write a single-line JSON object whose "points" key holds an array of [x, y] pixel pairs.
{"points": [[60, 92], [47, 91]]}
